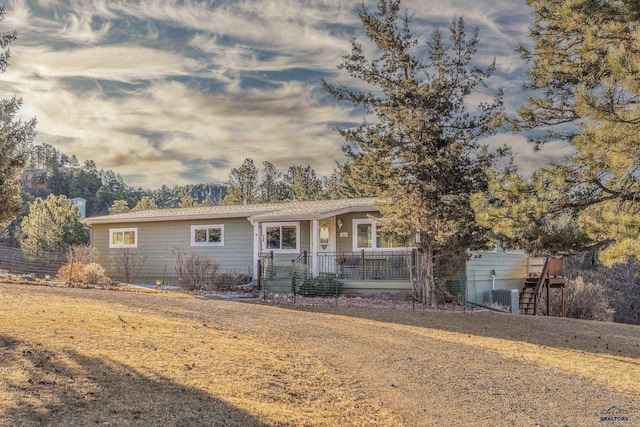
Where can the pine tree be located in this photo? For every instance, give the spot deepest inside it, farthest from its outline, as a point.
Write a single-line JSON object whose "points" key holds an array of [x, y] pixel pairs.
{"points": [[186, 201], [119, 207], [421, 155], [585, 91], [303, 183], [242, 186], [15, 139], [146, 203], [272, 188], [52, 226]]}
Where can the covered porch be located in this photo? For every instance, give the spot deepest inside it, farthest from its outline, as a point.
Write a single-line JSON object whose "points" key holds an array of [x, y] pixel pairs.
{"points": [[383, 275], [339, 242]]}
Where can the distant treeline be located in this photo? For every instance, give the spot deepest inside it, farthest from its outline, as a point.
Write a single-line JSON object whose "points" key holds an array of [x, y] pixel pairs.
{"points": [[53, 172]]}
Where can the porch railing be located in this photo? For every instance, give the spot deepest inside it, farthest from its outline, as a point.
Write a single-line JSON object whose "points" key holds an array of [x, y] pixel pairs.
{"points": [[367, 265], [361, 265]]}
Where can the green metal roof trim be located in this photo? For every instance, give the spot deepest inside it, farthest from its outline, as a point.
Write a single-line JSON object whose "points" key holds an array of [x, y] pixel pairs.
{"points": [[316, 209]]}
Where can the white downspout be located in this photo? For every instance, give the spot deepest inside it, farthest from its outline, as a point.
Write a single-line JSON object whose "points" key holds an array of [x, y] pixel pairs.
{"points": [[315, 238], [256, 248]]}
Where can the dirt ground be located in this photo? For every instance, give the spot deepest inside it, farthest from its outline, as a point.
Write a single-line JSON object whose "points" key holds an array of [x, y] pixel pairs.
{"points": [[99, 357]]}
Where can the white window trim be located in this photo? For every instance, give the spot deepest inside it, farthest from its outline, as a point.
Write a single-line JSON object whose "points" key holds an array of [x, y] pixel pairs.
{"points": [[207, 227], [374, 240], [266, 225], [357, 222], [112, 231], [515, 251]]}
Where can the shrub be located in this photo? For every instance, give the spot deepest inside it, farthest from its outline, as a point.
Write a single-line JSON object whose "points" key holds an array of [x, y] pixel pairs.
{"points": [[93, 274], [583, 299], [70, 272], [622, 284], [80, 253], [229, 279], [321, 286], [128, 263], [194, 271]]}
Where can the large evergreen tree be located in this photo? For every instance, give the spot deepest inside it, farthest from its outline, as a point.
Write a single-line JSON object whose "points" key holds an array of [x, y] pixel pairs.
{"points": [[421, 154], [242, 186], [120, 207], [146, 203], [585, 91], [53, 225], [15, 139], [272, 188], [303, 183], [186, 201]]}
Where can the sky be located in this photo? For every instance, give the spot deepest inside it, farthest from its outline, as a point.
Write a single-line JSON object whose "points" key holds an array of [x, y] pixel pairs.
{"points": [[179, 92]]}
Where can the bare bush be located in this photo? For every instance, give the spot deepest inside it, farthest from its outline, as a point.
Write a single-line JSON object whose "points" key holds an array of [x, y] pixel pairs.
{"points": [[93, 274], [621, 283], [128, 263], [80, 253], [623, 288], [227, 280], [194, 271], [584, 298], [71, 272]]}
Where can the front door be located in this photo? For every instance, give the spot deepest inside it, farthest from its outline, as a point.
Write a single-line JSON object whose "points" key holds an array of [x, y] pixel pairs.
{"points": [[327, 245]]}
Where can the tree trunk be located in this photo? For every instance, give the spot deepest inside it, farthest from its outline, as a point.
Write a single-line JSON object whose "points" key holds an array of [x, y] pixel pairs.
{"points": [[425, 276]]}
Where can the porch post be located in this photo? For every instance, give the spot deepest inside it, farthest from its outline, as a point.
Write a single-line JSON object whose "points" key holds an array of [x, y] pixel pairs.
{"points": [[256, 249], [315, 238]]}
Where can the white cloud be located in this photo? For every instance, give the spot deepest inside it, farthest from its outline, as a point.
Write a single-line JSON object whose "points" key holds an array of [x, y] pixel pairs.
{"points": [[125, 63], [143, 130], [169, 115], [17, 14]]}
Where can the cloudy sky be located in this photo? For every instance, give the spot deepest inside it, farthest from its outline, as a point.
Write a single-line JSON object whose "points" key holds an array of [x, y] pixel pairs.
{"points": [[177, 92]]}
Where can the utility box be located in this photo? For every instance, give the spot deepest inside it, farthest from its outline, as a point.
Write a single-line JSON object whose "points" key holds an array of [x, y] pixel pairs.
{"points": [[507, 297]]}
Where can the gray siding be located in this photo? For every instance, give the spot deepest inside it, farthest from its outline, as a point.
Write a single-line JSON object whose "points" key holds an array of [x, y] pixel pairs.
{"points": [[345, 244], [511, 270], [156, 239]]}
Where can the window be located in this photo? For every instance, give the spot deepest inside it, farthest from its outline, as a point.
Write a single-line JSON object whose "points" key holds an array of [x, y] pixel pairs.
{"points": [[364, 232], [207, 235], [366, 236], [281, 237], [123, 238]]}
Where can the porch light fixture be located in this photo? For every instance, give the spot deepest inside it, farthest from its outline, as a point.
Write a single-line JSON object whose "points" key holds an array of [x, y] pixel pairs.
{"points": [[339, 224]]}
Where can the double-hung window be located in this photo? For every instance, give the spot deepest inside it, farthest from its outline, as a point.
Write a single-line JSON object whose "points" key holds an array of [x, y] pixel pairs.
{"points": [[366, 236], [281, 237], [123, 238], [207, 235]]}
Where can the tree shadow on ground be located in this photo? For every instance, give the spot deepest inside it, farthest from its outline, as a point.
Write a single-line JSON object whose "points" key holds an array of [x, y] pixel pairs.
{"points": [[608, 338], [50, 387]]}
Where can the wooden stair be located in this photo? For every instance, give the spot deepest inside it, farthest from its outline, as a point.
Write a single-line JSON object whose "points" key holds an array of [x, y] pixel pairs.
{"points": [[528, 296], [552, 276]]}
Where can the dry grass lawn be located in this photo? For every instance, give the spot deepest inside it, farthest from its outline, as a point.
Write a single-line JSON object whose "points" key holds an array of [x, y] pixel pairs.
{"points": [[95, 357]]}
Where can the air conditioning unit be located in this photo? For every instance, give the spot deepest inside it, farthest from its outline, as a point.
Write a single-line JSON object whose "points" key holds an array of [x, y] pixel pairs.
{"points": [[508, 298]]}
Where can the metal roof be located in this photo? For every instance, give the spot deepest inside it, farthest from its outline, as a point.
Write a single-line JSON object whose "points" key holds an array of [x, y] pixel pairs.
{"points": [[316, 209]]}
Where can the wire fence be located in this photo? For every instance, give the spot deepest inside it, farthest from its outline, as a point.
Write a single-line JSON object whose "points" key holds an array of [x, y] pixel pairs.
{"points": [[296, 284], [15, 261], [297, 281]]}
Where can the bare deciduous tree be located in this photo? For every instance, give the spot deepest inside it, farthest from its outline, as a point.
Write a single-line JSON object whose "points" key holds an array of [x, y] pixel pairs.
{"points": [[128, 263]]}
